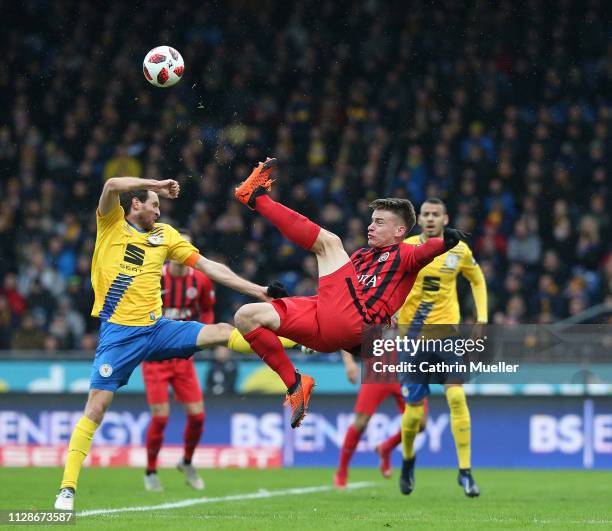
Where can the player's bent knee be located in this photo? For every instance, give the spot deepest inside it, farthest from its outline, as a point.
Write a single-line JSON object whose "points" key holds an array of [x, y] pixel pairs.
{"points": [[327, 241], [97, 404], [413, 414], [213, 335], [160, 410], [361, 421], [244, 318], [251, 316], [455, 396], [194, 408]]}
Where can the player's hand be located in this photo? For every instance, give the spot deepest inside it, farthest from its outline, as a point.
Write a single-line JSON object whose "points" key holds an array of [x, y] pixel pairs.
{"points": [[168, 189], [478, 330], [453, 236], [352, 372], [276, 290]]}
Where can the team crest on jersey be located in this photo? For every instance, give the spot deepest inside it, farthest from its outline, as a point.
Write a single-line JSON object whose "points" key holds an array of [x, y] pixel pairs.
{"points": [[155, 239], [105, 370], [192, 293], [383, 257], [451, 261]]}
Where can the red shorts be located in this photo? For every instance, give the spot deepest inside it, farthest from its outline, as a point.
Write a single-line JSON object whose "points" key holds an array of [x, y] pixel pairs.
{"points": [[325, 322], [372, 395], [177, 372]]}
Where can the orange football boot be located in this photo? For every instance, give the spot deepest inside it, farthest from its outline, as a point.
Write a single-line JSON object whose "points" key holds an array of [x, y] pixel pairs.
{"points": [[257, 183], [298, 400]]}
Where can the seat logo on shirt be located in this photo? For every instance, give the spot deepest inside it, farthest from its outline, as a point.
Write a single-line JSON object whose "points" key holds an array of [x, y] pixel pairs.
{"points": [[431, 283], [134, 255]]}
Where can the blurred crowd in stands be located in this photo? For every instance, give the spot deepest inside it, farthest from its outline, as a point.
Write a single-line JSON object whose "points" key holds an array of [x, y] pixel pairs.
{"points": [[502, 109]]}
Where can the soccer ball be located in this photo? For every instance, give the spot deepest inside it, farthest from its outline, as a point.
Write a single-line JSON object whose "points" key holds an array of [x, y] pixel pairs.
{"points": [[163, 66]]}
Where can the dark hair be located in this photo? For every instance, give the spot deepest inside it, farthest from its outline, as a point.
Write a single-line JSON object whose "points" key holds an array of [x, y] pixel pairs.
{"points": [[126, 199], [435, 201], [400, 207]]}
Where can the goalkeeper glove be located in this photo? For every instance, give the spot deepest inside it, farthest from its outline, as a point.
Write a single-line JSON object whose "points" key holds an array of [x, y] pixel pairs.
{"points": [[453, 236]]}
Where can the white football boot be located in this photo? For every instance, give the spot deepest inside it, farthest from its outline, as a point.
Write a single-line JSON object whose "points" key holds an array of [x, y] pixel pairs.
{"points": [[64, 501], [152, 483], [191, 476]]}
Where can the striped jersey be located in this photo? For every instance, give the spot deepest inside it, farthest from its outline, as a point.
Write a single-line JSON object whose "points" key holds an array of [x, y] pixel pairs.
{"points": [[385, 276], [188, 297], [126, 268]]}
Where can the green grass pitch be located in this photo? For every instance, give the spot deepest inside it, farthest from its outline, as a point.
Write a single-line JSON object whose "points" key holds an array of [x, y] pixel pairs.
{"points": [[510, 499]]}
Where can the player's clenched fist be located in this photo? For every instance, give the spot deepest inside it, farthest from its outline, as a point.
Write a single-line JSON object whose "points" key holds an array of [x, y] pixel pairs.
{"points": [[168, 188]]}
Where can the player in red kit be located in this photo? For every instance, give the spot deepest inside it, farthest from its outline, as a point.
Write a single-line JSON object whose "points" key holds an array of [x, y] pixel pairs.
{"points": [[369, 399], [187, 295], [354, 292]]}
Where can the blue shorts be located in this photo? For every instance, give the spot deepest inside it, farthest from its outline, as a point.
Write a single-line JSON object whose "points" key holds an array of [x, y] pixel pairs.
{"points": [[416, 387], [415, 392], [122, 348]]}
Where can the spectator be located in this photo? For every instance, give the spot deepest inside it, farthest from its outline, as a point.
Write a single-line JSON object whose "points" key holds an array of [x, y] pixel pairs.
{"points": [[222, 373], [28, 336], [524, 246]]}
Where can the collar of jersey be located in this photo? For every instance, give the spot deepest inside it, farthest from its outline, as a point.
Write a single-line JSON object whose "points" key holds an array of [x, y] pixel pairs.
{"points": [[135, 227]]}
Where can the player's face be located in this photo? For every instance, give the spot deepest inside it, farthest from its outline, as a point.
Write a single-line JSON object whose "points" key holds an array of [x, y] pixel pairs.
{"points": [[147, 213], [386, 229], [432, 219]]}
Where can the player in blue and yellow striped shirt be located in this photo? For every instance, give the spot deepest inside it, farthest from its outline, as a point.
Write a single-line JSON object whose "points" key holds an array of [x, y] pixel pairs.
{"points": [[433, 300], [130, 251]]}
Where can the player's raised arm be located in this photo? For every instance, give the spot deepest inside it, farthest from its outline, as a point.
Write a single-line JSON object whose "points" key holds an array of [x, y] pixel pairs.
{"points": [[109, 198], [222, 274], [427, 251]]}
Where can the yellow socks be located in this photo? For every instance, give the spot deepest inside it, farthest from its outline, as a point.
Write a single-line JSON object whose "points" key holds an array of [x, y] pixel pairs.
{"points": [[80, 443], [411, 424], [237, 343], [460, 424]]}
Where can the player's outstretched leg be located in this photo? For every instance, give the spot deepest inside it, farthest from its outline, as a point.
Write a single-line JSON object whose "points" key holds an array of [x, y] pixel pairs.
{"points": [[297, 228], [461, 429], [258, 323], [253, 193], [411, 422], [80, 444]]}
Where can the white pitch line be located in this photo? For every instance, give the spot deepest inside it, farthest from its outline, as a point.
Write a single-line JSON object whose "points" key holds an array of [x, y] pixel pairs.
{"points": [[236, 497]]}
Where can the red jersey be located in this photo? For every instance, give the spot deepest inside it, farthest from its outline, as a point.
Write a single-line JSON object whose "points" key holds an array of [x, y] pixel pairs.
{"points": [[386, 276], [188, 298]]}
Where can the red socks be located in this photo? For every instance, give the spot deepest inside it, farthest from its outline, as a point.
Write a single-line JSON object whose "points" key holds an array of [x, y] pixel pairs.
{"points": [[293, 226], [392, 442], [351, 440], [193, 432], [155, 437], [269, 348]]}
